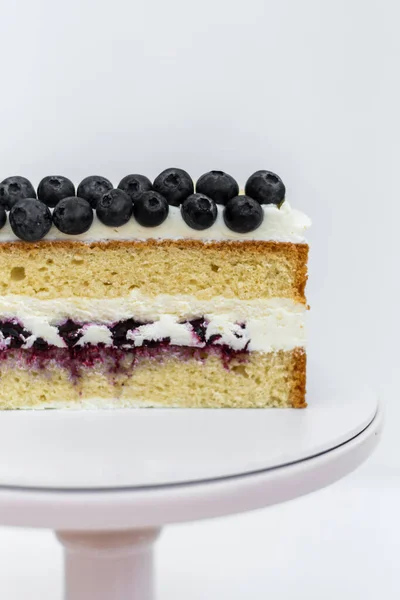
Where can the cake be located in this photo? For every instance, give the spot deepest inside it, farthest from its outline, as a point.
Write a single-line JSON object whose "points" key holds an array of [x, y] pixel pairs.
{"points": [[163, 294]]}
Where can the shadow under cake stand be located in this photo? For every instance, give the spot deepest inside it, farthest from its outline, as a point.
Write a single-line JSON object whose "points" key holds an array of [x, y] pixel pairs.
{"points": [[107, 481]]}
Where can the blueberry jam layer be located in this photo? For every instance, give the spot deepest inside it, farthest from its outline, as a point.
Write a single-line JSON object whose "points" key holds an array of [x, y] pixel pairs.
{"points": [[113, 361], [14, 336]]}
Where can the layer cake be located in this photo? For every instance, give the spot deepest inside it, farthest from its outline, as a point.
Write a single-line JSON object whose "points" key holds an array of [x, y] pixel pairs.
{"points": [[152, 294]]}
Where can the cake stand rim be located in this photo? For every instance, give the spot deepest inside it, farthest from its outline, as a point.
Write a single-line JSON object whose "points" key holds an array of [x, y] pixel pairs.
{"points": [[122, 509], [136, 448]]}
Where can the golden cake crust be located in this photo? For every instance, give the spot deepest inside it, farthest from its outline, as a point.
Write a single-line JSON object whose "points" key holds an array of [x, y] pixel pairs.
{"points": [[298, 387]]}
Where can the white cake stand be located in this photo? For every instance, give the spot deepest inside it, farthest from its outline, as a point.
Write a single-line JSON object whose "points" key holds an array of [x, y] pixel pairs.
{"points": [[106, 482]]}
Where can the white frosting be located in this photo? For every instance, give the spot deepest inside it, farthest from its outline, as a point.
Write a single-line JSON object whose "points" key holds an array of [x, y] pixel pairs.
{"points": [[280, 224], [272, 324], [231, 333], [140, 306], [95, 334], [41, 328], [180, 334]]}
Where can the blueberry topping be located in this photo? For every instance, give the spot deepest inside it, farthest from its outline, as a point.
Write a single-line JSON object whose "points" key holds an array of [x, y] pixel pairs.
{"points": [[13, 189], [30, 219], [70, 332], [266, 188], [135, 185], [213, 339], [14, 333], [243, 214], [114, 208], [93, 188], [3, 216], [120, 330], [150, 209], [199, 212], [199, 327], [40, 344], [175, 185], [217, 185], [157, 343], [73, 215], [54, 188]]}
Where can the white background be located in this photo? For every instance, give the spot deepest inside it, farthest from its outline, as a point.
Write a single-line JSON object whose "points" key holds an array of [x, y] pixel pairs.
{"points": [[307, 88]]}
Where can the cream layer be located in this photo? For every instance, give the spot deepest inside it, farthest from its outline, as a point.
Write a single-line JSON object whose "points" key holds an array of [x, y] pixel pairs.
{"points": [[280, 224], [262, 325]]}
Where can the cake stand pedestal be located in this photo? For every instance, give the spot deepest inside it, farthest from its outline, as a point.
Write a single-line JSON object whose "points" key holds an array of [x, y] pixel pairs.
{"points": [[107, 482], [109, 565]]}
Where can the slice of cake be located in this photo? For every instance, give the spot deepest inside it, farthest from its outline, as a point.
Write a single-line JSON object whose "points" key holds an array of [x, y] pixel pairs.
{"points": [[150, 294]]}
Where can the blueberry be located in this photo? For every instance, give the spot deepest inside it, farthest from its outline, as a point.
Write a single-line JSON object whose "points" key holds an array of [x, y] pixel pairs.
{"points": [[175, 185], [217, 185], [114, 208], [30, 219], [54, 188], [135, 185], [150, 209], [243, 214], [3, 216], [199, 212], [73, 215], [93, 188], [266, 188], [13, 189]]}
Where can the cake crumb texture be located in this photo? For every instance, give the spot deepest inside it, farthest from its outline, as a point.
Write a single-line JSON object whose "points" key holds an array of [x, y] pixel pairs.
{"points": [[255, 380], [244, 270]]}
